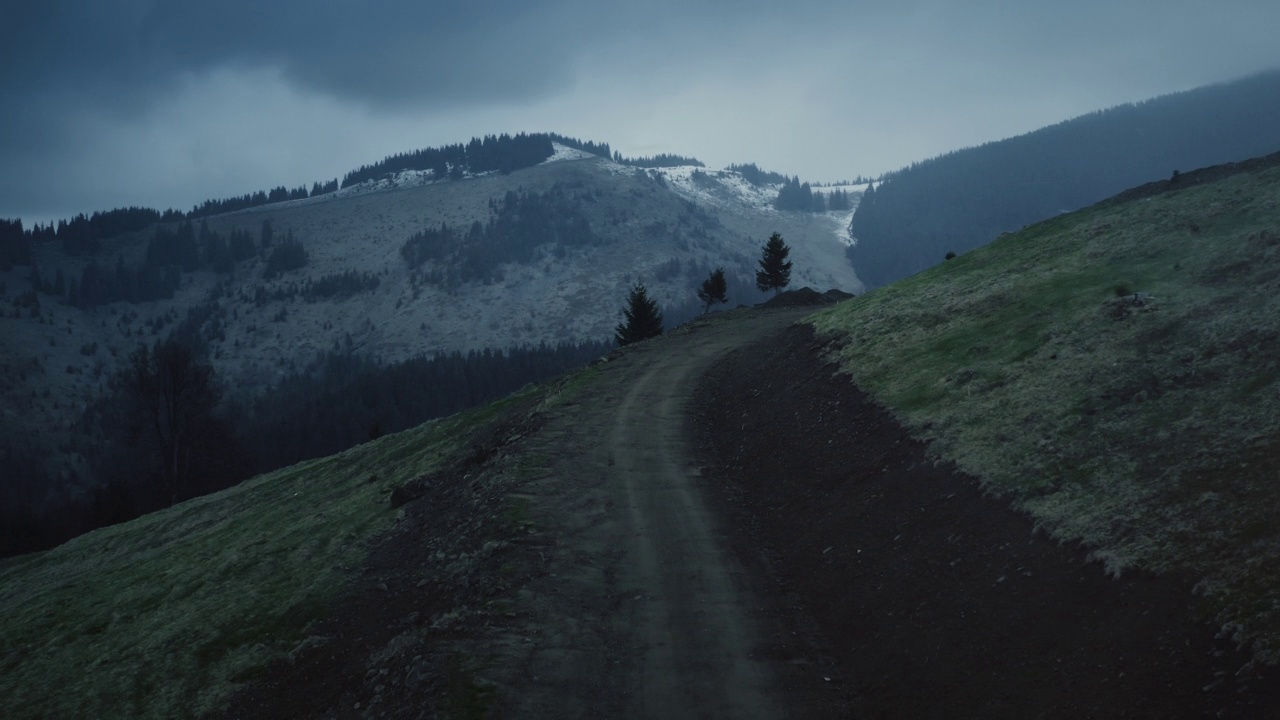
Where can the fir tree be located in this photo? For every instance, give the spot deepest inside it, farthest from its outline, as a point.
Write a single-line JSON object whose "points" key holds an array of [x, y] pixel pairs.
{"points": [[714, 290], [643, 319], [775, 270]]}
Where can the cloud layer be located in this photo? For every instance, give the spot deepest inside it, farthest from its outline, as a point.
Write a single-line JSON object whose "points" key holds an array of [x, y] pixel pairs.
{"points": [[163, 102]]}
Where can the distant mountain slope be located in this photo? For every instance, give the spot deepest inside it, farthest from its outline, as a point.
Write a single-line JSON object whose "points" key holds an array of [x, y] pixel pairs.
{"points": [[1116, 372], [402, 265], [960, 200]]}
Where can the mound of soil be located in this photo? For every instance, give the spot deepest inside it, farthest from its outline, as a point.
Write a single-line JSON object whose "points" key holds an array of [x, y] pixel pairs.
{"points": [[930, 598]]}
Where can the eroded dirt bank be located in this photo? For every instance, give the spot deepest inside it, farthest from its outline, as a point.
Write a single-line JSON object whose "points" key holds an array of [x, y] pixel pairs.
{"points": [[930, 599]]}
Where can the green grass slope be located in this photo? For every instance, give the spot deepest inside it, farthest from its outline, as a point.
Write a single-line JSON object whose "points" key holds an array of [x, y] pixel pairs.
{"points": [[1149, 431], [164, 616]]}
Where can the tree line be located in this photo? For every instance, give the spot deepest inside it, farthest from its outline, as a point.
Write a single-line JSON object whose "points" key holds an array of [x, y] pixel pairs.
{"points": [[171, 252], [168, 430], [344, 398], [15, 245], [84, 235], [754, 175], [800, 197], [251, 200], [81, 235], [521, 223], [657, 161]]}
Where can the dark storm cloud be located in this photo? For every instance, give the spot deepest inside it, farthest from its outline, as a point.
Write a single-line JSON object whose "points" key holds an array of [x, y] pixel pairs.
{"points": [[98, 94], [122, 55], [382, 52], [122, 52], [70, 67], [63, 60]]}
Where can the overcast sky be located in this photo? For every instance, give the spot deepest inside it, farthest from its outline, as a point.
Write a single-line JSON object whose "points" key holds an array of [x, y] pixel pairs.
{"points": [[165, 103]]}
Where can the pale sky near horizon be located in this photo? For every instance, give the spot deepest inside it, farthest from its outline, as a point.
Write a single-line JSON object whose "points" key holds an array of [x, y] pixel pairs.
{"points": [[166, 103]]}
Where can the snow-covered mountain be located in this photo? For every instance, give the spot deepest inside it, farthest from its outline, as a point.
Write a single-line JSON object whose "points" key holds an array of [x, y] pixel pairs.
{"points": [[667, 227]]}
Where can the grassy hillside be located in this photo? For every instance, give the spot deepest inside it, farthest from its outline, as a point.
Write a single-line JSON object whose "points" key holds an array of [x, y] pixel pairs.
{"points": [[164, 616], [1149, 429]]}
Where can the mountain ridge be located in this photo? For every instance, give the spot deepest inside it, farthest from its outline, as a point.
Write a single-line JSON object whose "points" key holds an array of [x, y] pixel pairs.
{"points": [[538, 281], [494, 511]]}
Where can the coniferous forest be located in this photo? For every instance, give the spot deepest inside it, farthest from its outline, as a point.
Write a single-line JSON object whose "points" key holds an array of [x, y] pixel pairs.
{"points": [[521, 223], [82, 235], [961, 200], [800, 197], [657, 161], [754, 175], [340, 400]]}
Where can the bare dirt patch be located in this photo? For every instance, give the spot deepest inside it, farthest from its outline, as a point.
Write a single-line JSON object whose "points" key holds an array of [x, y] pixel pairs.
{"points": [[641, 611], [932, 599]]}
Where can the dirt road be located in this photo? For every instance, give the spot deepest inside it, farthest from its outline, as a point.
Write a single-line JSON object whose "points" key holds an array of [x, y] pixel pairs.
{"points": [[576, 564], [642, 611]]}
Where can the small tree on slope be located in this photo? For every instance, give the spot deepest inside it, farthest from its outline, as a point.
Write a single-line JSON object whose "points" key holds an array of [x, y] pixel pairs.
{"points": [[775, 270], [643, 319], [714, 290]]}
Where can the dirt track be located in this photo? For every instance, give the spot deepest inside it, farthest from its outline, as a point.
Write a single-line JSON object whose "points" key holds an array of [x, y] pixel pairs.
{"points": [[814, 562], [644, 612]]}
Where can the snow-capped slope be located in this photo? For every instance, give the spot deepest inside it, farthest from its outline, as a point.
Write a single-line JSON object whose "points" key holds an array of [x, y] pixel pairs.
{"points": [[717, 188], [563, 153], [667, 227], [410, 179]]}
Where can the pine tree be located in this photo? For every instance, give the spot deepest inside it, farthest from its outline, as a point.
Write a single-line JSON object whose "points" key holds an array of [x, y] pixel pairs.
{"points": [[714, 290], [643, 319], [775, 270]]}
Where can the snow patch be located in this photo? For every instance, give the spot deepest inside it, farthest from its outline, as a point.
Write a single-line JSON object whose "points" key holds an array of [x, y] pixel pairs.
{"points": [[402, 180], [857, 189], [564, 152], [717, 188]]}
